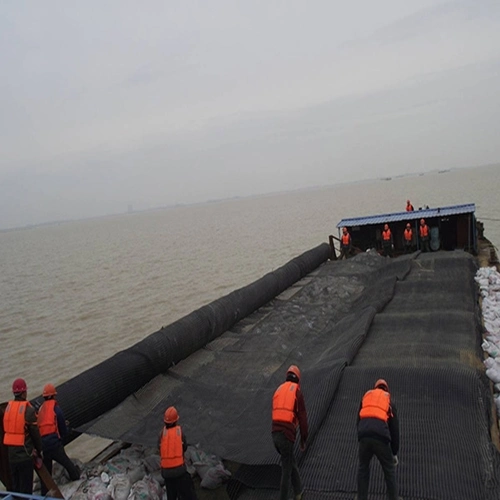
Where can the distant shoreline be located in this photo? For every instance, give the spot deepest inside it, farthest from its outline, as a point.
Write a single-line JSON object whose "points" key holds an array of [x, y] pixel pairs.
{"points": [[221, 200]]}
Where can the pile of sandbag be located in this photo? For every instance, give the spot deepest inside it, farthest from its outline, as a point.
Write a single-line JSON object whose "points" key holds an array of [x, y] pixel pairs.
{"points": [[488, 279], [135, 474]]}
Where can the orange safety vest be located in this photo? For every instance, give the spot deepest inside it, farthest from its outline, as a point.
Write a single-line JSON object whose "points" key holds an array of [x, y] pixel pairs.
{"points": [[386, 235], [171, 452], [346, 238], [284, 403], [14, 423], [409, 208], [408, 234], [376, 404], [424, 230], [47, 418]]}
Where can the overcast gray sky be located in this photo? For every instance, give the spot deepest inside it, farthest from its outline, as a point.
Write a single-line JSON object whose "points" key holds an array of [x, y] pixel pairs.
{"points": [[151, 103]]}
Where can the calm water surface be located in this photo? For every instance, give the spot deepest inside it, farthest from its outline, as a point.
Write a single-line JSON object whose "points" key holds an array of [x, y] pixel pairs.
{"points": [[74, 294]]}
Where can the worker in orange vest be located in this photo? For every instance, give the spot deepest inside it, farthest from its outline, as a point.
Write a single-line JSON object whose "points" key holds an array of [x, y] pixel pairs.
{"points": [[378, 434], [22, 438], [423, 231], [409, 206], [387, 241], [53, 429], [178, 482], [289, 413], [345, 244], [408, 238]]}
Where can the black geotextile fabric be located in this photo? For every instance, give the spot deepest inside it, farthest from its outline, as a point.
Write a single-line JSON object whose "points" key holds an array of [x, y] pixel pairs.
{"points": [[224, 392], [102, 387], [412, 320], [425, 343]]}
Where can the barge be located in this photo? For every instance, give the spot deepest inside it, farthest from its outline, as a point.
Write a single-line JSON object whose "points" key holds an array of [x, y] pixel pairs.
{"points": [[414, 320]]}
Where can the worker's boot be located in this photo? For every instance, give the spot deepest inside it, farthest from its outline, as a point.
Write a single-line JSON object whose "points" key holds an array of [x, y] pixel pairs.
{"points": [[299, 496]]}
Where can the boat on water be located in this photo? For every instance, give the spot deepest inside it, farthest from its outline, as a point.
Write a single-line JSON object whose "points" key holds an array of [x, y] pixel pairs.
{"points": [[414, 320]]}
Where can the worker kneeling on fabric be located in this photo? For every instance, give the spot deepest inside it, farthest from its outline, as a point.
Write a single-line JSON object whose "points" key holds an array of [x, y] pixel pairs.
{"points": [[178, 482], [378, 434], [53, 429]]}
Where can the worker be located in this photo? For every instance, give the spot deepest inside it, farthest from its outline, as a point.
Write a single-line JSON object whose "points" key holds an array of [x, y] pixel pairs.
{"points": [[289, 412], [22, 438], [173, 444], [53, 429], [378, 434], [409, 206], [345, 244], [387, 241], [408, 238], [423, 231]]}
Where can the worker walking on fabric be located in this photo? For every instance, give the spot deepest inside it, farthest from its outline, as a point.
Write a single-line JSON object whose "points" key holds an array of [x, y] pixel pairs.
{"points": [[378, 434], [178, 482], [345, 244], [423, 231], [289, 412], [22, 438], [408, 238], [409, 206], [53, 429], [387, 241]]}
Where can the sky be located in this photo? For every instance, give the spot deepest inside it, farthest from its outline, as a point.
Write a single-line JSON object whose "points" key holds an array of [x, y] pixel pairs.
{"points": [[106, 105]]}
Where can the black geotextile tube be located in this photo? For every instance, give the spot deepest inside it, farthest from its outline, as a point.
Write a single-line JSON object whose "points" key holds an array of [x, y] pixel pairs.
{"points": [[102, 387]]}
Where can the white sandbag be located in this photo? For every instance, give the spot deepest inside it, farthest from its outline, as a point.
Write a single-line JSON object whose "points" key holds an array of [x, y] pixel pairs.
{"points": [[494, 375], [79, 495], [152, 462], [69, 489], [215, 477], [156, 475], [491, 363], [145, 489], [119, 487], [136, 474], [491, 348], [200, 460], [95, 489], [117, 465]]}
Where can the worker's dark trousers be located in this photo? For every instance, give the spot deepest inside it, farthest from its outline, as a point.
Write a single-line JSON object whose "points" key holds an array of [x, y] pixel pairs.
{"points": [[345, 251], [408, 247], [424, 243], [289, 469], [22, 476], [180, 488], [367, 448], [59, 455], [387, 249]]}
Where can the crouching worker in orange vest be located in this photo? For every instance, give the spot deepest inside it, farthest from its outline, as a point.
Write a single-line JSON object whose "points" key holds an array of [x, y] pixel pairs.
{"points": [[53, 429], [22, 438], [289, 412], [178, 482], [378, 434]]}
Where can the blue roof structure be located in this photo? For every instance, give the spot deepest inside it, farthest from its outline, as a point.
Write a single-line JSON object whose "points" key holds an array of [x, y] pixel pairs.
{"points": [[426, 213]]}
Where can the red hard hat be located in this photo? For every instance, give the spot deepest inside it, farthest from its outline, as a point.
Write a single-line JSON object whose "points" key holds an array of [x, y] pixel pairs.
{"points": [[19, 386], [171, 416], [382, 384], [294, 369], [49, 390]]}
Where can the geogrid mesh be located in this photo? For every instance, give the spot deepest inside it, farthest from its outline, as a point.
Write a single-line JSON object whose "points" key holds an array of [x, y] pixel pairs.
{"points": [[411, 320]]}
